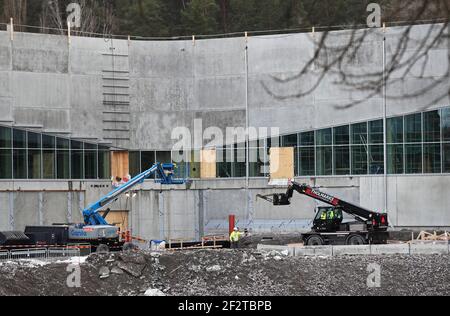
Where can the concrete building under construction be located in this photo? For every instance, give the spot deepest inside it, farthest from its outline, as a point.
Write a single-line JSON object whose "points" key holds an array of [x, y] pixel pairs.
{"points": [[76, 111]]}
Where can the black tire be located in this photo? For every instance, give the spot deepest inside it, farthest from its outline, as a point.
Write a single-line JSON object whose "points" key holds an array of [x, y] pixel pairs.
{"points": [[356, 240], [101, 249], [315, 241], [128, 246]]}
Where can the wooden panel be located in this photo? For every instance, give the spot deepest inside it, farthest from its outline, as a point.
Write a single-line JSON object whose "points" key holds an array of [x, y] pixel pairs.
{"points": [[282, 163], [120, 164], [118, 218], [208, 158]]}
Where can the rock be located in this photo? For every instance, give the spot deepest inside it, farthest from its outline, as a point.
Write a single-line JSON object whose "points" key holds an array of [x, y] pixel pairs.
{"points": [[116, 270], [131, 257], [277, 258], [131, 268], [214, 268], [154, 292], [104, 272], [285, 253]]}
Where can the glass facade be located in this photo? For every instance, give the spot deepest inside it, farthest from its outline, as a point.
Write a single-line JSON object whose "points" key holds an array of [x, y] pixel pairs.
{"points": [[30, 155]]}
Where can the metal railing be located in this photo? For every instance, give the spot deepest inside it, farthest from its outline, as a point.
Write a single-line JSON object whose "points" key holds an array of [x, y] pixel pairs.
{"points": [[40, 253]]}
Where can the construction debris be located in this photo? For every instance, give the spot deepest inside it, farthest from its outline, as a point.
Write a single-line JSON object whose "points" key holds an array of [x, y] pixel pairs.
{"points": [[426, 236], [228, 272]]}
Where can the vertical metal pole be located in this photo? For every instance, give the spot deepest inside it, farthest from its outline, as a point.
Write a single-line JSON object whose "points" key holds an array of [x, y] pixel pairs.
{"points": [[68, 32], [12, 29], [385, 122], [247, 123]]}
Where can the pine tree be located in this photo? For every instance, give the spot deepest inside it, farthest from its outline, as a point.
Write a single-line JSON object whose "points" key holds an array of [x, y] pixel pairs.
{"points": [[200, 17]]}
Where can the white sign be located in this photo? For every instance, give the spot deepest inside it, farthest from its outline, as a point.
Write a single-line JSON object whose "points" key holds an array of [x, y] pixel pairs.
{"points": [[374, 18], [74, 15]]}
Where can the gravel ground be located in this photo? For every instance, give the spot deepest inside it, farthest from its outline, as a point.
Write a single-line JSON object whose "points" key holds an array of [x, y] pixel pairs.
{"points": [[227, 272]]}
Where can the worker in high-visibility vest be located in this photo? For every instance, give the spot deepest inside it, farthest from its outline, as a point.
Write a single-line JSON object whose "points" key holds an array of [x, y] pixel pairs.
{"points": [[235, 237]]}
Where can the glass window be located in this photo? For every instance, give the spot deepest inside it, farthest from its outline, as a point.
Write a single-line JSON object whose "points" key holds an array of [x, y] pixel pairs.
{"points": [[432, 158], [342, 160], [20, 138], [359, 160], [376, 159], [273, 142], [63, 164], [359, 134], [48, 142], [76, 145], [88, 146], [290, 140], [413, 159], [446, 154], [342, 135], [48, 164], [164, 156], [324, 161], [239, 166], [445, 113], [5, 137], [376, 132], [147, 160], [6, 164], [62, 143], [395, 130], [135, 163], [90, 164], [77, 160], [257, 164], [223, 165], [307, 139], [34, 140], [432, 127], [104, 164], [413, 128], [34, 164], [395, 159], [20, 163], [324, 137], [307, 161]]}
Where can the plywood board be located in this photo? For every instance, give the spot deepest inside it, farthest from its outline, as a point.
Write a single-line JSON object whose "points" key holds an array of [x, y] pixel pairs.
{"points": [[120, 164], [208, 158], [118, 218], [282, 163]]}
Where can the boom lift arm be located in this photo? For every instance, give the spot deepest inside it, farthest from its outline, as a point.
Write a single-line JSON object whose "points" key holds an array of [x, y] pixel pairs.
{"points": [[91, 214], [377, 220]]}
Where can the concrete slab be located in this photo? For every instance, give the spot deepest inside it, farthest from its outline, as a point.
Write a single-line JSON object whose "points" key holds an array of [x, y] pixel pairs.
{"points": [[429, 249], [351, 250], [400, 249], [325, 251], [280, 249], [304, 251]]}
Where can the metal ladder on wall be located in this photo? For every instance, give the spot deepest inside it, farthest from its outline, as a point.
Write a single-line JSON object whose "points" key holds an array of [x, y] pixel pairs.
{"points": [[116, 98]]}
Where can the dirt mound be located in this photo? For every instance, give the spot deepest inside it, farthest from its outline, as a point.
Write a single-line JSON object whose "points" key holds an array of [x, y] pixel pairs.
{"points": [[227, 272]]}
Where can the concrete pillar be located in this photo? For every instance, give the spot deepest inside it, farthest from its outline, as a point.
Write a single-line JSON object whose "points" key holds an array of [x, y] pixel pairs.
{"points": [[69, 207], [161, 216], [40, 208], [11, 210]]}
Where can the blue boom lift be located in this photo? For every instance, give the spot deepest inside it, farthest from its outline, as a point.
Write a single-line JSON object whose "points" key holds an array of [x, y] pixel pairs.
{"points": [[95, 230]]}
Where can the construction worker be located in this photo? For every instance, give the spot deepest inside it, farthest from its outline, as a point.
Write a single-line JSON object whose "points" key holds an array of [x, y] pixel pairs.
{"points": [[323, 216], [235, 237]]}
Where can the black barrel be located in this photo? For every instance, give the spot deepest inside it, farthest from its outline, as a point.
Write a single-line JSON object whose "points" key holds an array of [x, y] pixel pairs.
{"points": [[14, 239]]}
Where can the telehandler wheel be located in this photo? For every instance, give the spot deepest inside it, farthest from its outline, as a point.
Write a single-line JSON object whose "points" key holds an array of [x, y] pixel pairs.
{"points": [[356, 240], [102, 249], [315, 241]]}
